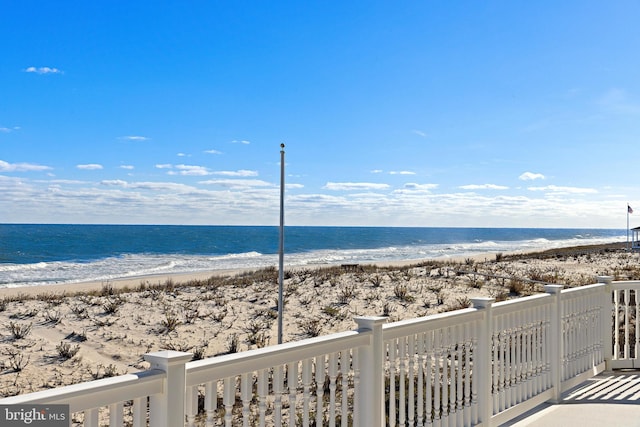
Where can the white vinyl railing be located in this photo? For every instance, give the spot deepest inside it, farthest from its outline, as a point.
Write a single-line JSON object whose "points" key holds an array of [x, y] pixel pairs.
{"points": [[478, 366]]}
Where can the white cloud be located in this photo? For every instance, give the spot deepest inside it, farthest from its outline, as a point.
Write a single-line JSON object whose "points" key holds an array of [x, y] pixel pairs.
{"points": [[183, 155], [150, 186], [114, 182], [238, 183], [293, 186], [483, 187], [164, 166], [377, 171], [419, 133], [43, 70], [127, 167], [245, 142], [530, 176], [90, 167], [420, 187], [350, 186], [213, 152], [241, 172], [134, 138], [190, 170], [21, 167], [8, 130], [401, 173], [569, 190]]}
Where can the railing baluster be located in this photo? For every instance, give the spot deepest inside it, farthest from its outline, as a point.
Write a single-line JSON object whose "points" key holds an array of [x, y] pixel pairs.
{"points": [[210, 402], [392, 382], [411, 350], [306, 387], [320, 376], [344, 387], [429, 373], [246, 392], [436, 377], [191, 405], [459, 374], [263, 390], [91, 417], [453, 392], [446, 342], [357, 387], [626, 323], [402, 349], [278, 389], [512, 365], [292, 384], [333, 375], [468, 373], [528, 352], [229, 397], [116, 418], [140, 412], [445, 374]]}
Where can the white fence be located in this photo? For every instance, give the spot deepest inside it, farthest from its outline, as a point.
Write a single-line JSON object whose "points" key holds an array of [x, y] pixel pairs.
{"points": [[478, 366]]}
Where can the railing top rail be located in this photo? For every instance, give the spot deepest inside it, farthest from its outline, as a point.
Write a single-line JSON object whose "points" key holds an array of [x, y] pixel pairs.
{"points": [[94, 394], [429, 323], [229, 365], [532, 301], [626, 284], [596, 287]]}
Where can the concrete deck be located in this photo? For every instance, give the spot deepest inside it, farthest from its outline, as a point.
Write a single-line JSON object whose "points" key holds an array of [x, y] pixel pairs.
{"points": [[611, 399]]}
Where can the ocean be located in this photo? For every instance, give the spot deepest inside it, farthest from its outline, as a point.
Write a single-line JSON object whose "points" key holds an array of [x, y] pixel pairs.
{"points": [[36, 254]]}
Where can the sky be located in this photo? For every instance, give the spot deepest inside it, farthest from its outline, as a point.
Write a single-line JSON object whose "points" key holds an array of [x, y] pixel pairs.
{"points": [[393, 113]]}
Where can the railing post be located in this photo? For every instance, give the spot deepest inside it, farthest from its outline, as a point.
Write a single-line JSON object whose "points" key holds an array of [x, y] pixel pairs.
{"points": [[483, 374], [607, 327], [556, 350], [371, 360], [168, 409]]}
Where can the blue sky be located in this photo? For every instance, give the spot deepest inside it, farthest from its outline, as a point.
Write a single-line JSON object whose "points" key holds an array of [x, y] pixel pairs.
{"points": [[412, 113]]}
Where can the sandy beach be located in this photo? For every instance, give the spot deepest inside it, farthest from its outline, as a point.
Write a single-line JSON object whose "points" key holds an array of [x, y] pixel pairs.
{"points": [[65, 334]]}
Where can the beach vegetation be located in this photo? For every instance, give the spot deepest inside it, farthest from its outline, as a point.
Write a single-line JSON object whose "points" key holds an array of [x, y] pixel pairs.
{"points": [[311, 327], [376, 280], [67, 350], [386, 309], [107, 289], [52, 317], [19, 330], [401, 291], [80, 310], [517, 287], [170, 321], [233, 343], [199, 351], [331, 311], [347, 293], [112, 304], [17, 360]]}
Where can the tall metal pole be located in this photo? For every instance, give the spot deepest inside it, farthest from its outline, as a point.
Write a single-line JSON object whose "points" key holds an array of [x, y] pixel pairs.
{"points": [[281, 248]]}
